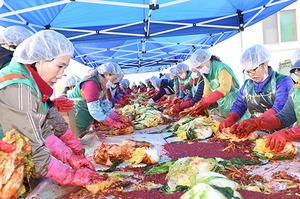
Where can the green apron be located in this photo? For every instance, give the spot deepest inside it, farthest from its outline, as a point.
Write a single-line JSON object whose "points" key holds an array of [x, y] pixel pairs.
{"points": [[296, 101], [82, 115], [16, 68], [195, 87], [186, 83], [226, 102], [258, 103]]}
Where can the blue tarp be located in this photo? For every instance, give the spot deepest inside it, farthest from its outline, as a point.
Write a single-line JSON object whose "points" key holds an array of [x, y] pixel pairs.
{"points": [[144, 35]]}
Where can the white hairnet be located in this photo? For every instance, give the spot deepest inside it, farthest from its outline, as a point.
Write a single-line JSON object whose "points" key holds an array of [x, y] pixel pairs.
{"points": [[117, 81], [182, 67], [121, 75], [14, 35], [168, 76], [45, 45], [173, 71], [109, 67], [71, 80], [296, 56], [155, 81], [125, 83], [199, 57], [254, 56]]}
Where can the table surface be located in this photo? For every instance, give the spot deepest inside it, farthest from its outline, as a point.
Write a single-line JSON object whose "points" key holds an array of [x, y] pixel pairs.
{"points": [[48, 189]]}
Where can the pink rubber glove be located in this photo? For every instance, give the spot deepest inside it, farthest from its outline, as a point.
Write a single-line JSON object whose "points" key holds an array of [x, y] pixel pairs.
{"points": [[113, 123], [7, 148], [72, 142], [231, 119], [116, 116], [63, 175], [63, 104], [60, 151], [278, 139]]}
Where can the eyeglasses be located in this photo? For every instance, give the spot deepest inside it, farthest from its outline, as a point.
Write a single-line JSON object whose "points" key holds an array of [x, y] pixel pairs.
{"points": [[252, 71]]}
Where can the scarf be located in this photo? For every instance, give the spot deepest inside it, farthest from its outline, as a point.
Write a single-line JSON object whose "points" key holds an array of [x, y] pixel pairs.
{"points": [[44, 88]]}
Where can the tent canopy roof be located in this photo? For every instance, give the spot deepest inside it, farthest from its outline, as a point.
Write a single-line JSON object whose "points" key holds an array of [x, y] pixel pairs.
{"points": [[139, 35]]}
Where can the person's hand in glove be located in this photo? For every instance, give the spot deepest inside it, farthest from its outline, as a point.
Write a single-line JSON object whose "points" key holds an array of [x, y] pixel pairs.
{"points": [[63, 104], [60, 151], [278, 139], [115, 116], [113, 123], [63, 175], [7, 148], [177, 100], [151, 89], [244, 128], [122, 102], [186, 104], [231, 119], [72, 142], [204, 103]]}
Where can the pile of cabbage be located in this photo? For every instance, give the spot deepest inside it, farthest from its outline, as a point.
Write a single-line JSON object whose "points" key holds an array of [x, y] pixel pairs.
{"points": [[289, 151], [190, 128], [144, 116], [197, 176]]}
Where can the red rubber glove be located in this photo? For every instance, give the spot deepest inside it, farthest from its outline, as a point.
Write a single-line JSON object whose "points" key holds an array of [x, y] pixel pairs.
{"points": [[204, 103], [60, 151], [63, 104], [186, 104], [244, 128], [116, 116], [122, 102], [7, 148], [113, 123], [151, 89], [231, 119], [278, 139], [177, 100], [162, 98], [72, 142], [63, 175]]}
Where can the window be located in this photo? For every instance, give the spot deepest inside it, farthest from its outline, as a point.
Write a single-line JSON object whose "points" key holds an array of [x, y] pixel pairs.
{"points": [[270, 30], [280, 27], [288, 26]]}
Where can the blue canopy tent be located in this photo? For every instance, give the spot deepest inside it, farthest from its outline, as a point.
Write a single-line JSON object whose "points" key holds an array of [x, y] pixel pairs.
{"points": [[141, 36]]}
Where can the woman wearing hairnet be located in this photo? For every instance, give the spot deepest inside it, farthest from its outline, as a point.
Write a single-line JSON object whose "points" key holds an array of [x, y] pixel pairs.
{"points": [[69, 83], [134, 87], [124, 86], [90, 99], [149, 85], [10, 38], [220, 83], [25, 89], [164, 86], [175, 78], [185, 80], [142, 87], [115, 95], [196, 92], [285, 118], [264, 94]]}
